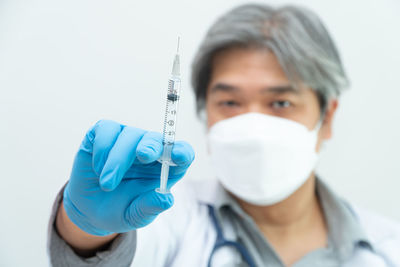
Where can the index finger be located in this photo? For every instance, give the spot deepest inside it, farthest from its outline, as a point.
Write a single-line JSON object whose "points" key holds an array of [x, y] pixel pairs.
{"points": [[182, 155]]}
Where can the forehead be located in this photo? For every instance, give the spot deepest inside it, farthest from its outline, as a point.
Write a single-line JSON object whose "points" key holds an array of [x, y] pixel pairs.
{"points": [[249, 66]]}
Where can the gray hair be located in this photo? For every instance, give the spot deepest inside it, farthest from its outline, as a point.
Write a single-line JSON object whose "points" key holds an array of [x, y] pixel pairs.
{"points": [[294, 34]]}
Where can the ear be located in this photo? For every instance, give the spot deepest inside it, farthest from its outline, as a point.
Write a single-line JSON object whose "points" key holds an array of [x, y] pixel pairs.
{"points": [[326, 129]]}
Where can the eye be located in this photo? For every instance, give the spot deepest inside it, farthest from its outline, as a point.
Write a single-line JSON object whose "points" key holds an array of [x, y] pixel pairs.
{"points": [[228, 103], [281, 104]]}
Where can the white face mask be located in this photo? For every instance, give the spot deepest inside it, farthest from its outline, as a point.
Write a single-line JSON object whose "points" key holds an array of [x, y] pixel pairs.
{"points": [[262, 159]]}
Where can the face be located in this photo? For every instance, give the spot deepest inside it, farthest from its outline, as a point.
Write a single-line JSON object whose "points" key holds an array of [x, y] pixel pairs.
{"points": [[250, 80]]}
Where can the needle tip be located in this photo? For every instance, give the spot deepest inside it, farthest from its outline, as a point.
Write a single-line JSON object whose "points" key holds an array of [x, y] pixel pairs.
{"points": [[177, 48]]}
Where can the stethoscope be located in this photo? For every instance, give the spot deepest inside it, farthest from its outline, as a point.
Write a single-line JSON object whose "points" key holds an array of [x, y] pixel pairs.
{"points": [[221, 241]]}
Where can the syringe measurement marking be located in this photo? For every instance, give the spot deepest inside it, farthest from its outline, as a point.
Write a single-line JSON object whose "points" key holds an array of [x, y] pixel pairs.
{"points": [[169, 129]]}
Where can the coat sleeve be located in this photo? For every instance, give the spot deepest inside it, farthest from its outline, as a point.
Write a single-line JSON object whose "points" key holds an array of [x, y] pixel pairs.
{"points": [[120, 252]]}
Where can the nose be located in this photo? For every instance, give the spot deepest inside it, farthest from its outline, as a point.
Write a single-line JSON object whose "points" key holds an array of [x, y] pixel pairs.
{"points": [[255, 107]]}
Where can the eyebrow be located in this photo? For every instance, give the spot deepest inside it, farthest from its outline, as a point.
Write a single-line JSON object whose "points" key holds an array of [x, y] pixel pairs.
{"points": [[223, 87], [279, 89]]}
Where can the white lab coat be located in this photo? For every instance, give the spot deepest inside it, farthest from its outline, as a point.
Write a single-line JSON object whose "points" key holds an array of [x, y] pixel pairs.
{"points": [[185, 235]]}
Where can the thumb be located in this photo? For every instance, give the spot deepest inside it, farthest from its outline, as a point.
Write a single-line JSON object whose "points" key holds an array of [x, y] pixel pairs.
{"points": [[145, 208]]}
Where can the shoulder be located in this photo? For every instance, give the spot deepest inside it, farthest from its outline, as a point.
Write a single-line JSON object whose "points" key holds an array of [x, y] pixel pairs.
{"points": [[379, 227], [195, 192], [384, 233]]}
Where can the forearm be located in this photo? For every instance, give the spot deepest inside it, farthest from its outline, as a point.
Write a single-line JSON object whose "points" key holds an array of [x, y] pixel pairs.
{"points": [[118, 251], [82, 243]]}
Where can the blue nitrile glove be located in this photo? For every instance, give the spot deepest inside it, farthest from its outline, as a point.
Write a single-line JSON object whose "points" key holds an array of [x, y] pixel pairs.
{"points": [[114, 176]]}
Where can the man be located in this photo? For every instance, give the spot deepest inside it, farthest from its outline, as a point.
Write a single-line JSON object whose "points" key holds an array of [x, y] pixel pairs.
{"points": [[268, 80]]}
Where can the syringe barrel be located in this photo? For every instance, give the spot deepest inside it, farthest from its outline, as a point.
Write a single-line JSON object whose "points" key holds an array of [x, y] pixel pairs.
{"points": [[171, 111], [166, 155]]}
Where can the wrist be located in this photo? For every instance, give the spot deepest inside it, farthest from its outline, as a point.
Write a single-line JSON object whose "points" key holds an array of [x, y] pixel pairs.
{"points": [[78, 218], [83, 243]]}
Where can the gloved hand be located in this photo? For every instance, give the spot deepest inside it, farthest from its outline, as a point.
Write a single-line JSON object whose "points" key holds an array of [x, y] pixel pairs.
{"points": [[114, 176]]}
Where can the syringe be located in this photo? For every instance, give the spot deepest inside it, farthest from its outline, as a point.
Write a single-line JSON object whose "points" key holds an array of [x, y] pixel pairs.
{"points": [[171, 111]]}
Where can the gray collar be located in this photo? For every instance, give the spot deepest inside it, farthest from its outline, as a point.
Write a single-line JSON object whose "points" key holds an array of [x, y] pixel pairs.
{"points": [[344, 227]]}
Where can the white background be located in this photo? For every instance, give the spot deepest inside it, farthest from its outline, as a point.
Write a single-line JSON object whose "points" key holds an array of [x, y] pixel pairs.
{"points": [[66, 64]]}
